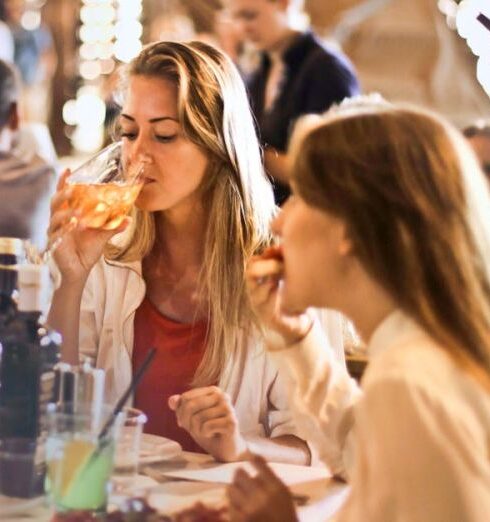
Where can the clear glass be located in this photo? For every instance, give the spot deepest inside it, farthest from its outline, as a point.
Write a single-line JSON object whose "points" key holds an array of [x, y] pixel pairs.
{"points": [[79, 464], [104, 188], [128, 449]]}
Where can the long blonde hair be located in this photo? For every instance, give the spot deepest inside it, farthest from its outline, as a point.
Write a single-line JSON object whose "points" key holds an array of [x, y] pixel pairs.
{"points": [[417, 208], [214, 113]]}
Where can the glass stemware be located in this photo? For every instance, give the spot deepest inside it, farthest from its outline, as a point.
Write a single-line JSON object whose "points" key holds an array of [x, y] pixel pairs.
{"points": [[102, 192]]}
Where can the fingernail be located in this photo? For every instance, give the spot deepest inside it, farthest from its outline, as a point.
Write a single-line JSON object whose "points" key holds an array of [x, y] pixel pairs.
{"points": [[173, 401]]}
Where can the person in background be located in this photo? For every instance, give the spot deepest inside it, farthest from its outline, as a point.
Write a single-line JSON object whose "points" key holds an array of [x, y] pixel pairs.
{"points": [[33, 54], [398, 211], [478, 136], [35, 58], [25, 186], [175, 279], [297, 74]]}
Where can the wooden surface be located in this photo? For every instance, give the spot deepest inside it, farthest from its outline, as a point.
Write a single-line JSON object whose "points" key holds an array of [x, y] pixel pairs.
{"points": [[324, 496]]}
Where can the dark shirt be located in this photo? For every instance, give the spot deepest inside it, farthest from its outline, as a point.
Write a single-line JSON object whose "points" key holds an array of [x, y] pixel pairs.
{"points": [[315, 77]]}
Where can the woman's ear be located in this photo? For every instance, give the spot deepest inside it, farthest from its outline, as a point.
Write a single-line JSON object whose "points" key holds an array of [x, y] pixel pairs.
{"points": [[346, 246]]}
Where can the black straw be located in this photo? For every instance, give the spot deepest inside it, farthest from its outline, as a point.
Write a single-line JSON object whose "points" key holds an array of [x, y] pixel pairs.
{"points": [[125, 396]]}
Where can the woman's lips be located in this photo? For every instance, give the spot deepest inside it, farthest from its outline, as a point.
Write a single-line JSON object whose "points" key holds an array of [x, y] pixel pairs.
{"points": [[273, 252]]}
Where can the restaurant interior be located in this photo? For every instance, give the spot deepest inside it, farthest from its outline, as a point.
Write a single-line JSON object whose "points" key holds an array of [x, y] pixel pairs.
{"points": [[244, 260]]}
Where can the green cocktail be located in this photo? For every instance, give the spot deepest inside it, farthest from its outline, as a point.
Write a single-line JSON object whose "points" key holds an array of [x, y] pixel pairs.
{"points": [[79, 464], [78, 476]]}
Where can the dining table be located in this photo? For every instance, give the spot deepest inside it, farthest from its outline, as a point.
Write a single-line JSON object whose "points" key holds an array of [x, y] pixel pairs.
{"points": [[174, 484]]}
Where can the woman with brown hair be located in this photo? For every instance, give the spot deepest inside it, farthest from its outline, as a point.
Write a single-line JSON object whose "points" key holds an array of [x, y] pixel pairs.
{"points": [[176, 278], [395, 212]]}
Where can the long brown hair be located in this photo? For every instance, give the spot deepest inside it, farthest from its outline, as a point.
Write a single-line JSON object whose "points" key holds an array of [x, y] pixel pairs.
{"points": [[417, 209], [214, 114]]}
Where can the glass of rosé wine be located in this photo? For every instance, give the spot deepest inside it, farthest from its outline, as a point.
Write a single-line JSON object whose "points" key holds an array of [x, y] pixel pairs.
{"points": [[104, 189]]}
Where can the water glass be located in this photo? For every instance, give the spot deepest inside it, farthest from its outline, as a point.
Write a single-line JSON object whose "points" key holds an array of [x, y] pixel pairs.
{"points": [[79, 462], [128, 448]]}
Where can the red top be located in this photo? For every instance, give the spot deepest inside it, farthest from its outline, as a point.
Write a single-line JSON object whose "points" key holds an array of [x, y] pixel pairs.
{"points": [[180, 348]]}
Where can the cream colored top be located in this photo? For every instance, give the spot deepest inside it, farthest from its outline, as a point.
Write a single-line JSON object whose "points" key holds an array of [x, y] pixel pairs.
{"points": [[415, 442], [257, 390]]}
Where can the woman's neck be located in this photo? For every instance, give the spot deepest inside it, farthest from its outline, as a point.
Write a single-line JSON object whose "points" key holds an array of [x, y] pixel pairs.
{"points": [[171, 270], [368, 306], [180, 237]]}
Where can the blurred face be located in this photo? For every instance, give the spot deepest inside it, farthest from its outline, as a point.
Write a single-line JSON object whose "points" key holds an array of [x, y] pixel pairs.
{"points": [[316, 255], [151, 131], [261, 22], [14, 10], [481, 145]]}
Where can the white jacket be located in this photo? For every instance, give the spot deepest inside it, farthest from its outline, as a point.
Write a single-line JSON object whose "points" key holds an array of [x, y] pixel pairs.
{"points": [[111, 297], [414, 441]]}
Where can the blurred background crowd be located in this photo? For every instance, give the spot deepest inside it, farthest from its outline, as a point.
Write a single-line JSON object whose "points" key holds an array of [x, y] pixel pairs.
{"points": [[67, 53]]}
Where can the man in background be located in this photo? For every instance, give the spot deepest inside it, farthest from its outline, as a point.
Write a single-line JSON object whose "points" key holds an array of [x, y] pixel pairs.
{"points": [[25, 186], [298, 74]]}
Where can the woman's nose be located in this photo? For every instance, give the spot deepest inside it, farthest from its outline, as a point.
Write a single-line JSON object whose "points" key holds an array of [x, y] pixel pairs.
{"points": [[143, 157], [140, 151], [276, 223]]}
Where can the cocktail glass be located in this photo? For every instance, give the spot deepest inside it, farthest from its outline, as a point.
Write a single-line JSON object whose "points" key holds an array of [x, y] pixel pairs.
{"points": [[79, 462]]}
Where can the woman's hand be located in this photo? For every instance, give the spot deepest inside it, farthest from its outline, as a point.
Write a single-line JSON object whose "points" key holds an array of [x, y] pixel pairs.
{"points": [[263, 277], [78, 247], [262, 498], [207, 414]]}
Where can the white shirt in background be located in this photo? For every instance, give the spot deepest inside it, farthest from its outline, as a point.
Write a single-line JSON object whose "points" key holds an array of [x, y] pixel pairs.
{"points": [[6, 43], [415, 442]]}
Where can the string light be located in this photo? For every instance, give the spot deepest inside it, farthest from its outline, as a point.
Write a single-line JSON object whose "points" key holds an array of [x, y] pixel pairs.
{"points": [[31, 20], [128, 30], [473, 24], [110, 30]]}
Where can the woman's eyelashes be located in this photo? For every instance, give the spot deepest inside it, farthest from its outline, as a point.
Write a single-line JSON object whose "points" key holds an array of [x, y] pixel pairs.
{"points": [[165, 139], [158, 137], [128, 135]]}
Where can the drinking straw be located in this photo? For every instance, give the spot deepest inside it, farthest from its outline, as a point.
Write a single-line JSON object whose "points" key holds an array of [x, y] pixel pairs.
{"points": [[125, 396], [102, 444]]}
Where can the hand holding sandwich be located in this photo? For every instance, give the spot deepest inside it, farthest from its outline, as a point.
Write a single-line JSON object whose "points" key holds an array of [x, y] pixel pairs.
{"points": [[263, 277]]}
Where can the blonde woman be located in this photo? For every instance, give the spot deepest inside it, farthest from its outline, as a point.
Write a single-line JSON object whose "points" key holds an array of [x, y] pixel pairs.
{"points": [[398, 211], [177, 281]]}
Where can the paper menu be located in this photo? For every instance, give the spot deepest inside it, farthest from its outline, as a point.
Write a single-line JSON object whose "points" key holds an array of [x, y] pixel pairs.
{"points": [[223, 473]]}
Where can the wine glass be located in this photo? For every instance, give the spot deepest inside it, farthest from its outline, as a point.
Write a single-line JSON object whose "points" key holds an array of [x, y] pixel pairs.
{"points": [[104, 189], [102, 192]]}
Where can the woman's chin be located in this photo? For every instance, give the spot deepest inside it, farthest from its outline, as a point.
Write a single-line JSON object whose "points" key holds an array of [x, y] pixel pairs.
{"points": [[290, 303], [149, 204]]}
